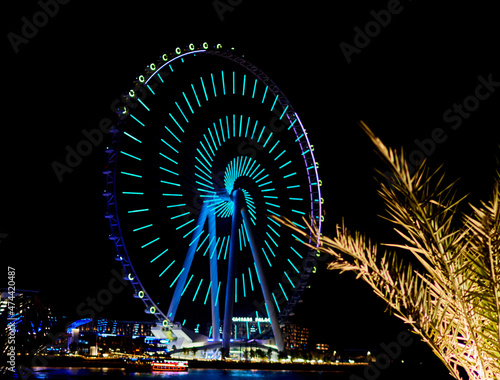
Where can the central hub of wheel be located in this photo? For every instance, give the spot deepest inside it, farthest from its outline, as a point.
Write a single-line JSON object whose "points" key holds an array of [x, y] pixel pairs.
{"points": [[237, 196]]}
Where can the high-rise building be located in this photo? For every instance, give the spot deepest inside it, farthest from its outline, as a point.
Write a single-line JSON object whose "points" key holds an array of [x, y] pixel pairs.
{"points": [[295, 337], [112, 327]]}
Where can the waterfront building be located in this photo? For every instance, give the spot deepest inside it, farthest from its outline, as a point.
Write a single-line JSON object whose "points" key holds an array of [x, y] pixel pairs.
{"points": [[108, 336], [322, 346], [112, 327], [296, 337]]}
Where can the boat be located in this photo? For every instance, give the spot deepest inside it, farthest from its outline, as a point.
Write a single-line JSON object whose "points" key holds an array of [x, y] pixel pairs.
{"points": [[171, 365]]}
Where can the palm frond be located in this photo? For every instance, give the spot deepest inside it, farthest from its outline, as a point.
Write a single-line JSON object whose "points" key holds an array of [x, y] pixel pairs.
{"points": [[452, 298]]}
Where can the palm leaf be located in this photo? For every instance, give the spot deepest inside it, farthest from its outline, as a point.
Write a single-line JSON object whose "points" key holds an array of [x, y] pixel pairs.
{"points": [[451, 299]]}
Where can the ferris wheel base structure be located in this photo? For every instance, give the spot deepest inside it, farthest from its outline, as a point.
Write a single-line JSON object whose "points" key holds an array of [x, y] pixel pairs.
{"points": [[185, 339]]}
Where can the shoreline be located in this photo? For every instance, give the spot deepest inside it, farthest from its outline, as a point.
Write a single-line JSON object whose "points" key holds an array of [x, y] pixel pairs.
{"points": [[61, 362]]}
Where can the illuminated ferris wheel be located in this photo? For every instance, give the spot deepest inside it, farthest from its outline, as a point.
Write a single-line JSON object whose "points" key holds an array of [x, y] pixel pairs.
{"points": [[207, 150]]}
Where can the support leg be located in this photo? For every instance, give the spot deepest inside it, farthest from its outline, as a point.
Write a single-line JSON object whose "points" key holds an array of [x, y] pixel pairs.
{"points": [[214, 278], [238, 201], [181, 282], [273, 316]]}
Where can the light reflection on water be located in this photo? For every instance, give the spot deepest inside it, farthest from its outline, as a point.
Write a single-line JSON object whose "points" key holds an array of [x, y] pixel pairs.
{"points": [[193, 374]]}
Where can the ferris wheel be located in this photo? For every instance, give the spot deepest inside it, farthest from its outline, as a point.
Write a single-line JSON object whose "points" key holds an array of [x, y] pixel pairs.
{"points": [[207, 150]]}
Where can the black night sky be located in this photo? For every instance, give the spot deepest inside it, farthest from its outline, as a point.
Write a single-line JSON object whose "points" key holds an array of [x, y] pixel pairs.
{"points": [[415, 79]]}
